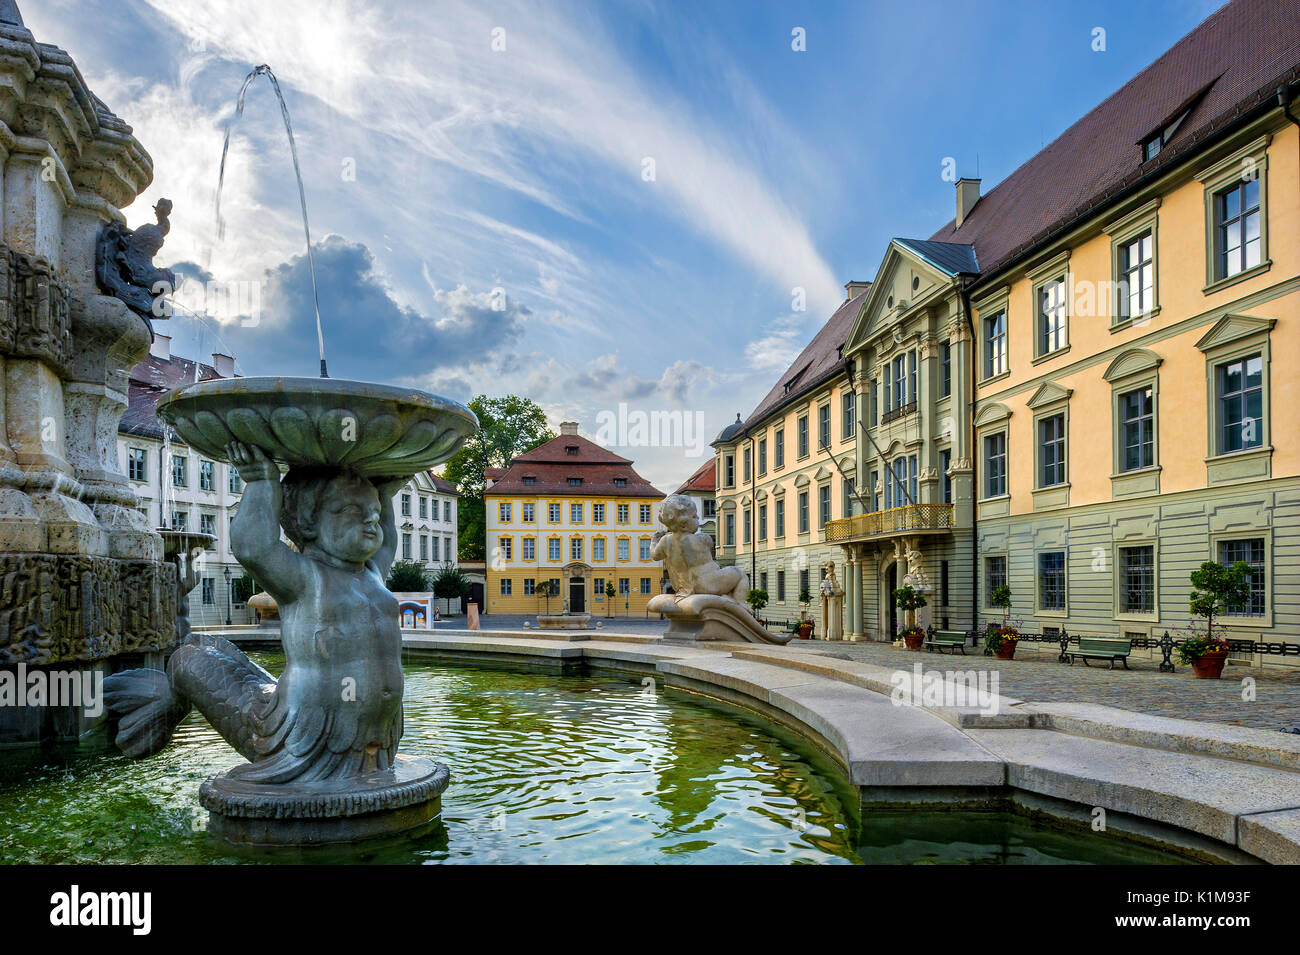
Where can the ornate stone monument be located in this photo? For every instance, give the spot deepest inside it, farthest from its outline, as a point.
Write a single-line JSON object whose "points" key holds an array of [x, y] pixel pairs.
{"points": [[707, 602], [85, 583], [832, 604]]}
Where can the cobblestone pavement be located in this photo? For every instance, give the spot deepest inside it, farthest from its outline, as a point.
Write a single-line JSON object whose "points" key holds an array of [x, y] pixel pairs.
{"points": [[1035, 676]]}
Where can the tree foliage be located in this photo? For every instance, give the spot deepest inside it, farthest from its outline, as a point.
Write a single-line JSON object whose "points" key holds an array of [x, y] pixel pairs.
{"points": [[508, 426], [450, 583], [757, 600], [406, 576], [1215, 588]]}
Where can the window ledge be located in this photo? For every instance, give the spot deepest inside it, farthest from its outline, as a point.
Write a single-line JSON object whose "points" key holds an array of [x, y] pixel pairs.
{"points": [[1130, 617], [1143, 319], [996, 497], [1150, 469], [998, 377], [1053, 614], [1261, 451], [1242, 276], [1048, 356]]}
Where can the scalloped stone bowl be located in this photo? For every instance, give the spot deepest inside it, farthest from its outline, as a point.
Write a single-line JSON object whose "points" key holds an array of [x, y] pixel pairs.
{"points": [[379, 430]]}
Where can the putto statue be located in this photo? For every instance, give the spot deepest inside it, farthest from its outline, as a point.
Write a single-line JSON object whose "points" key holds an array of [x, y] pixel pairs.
{"points": [[124, 264], [707, 602]]}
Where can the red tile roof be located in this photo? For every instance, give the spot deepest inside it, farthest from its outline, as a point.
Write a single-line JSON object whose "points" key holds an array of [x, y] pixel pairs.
{"points": [[584, 451], [551, 465], [443, 485], [1234, 60], [703, 481], [148, 381]]}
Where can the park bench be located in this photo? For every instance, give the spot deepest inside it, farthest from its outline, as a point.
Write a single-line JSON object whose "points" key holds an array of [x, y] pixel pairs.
{"points": [[946, 639], [1103, 648]]}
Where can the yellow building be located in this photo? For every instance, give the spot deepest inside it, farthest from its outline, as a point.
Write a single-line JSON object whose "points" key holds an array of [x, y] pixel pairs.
{"points": [[574, 514]]}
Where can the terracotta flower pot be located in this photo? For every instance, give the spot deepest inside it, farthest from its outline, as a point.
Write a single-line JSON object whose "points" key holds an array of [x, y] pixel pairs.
{"points": [[1006, 651], [1210, 665], [805, 631], [913, 641]]}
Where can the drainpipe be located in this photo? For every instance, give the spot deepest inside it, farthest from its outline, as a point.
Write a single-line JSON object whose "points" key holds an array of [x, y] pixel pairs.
{"points": [[1284, 101], [963, 304]]}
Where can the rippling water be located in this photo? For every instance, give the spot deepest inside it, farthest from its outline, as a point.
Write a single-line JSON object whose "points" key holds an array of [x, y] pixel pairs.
{"points": [[545, 768]]}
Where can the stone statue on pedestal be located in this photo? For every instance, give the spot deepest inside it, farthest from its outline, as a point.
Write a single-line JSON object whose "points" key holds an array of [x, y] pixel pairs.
{"points": [[124, 264], [832, 604]]}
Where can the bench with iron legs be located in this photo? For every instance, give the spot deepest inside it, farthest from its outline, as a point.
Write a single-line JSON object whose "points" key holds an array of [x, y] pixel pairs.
{"points": [[1102, 648], [953, 640]]}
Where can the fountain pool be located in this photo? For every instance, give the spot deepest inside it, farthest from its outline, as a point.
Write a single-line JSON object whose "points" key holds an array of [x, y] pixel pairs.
{"points": [[547, 769]]}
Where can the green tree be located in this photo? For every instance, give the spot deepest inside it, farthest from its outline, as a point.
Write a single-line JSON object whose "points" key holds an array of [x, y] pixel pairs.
{"points": [[450, 583], [757, 600], [910, 600], [610, 593], [548, 589], [508, 426], [406, 576], [1215, 588]]}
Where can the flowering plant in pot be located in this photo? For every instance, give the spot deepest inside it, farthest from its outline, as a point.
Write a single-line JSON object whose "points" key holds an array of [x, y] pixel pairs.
{"points": [[1002, 638], [910, 601], [1215, 588], [805, 625]]}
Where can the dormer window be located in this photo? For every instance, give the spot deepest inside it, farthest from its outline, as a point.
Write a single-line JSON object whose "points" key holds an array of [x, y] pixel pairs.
{"points": [[620, 482], [571, 449], [575, 482], [1151, 148], [529, 479]]}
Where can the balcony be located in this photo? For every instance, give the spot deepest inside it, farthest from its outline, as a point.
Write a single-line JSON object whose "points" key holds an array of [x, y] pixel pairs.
{"points": [[902, 411], [909, 519]]}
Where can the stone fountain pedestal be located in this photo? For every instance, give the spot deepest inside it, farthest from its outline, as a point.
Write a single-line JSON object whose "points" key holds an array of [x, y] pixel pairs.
{"points": [[298, 814]]}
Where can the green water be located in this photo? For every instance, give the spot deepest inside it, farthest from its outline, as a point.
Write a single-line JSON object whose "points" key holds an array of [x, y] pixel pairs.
{"points": [[545, 769]]}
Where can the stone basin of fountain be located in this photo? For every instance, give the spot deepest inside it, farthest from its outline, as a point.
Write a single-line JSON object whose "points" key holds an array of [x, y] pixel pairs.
{"points": [[564, 621]]}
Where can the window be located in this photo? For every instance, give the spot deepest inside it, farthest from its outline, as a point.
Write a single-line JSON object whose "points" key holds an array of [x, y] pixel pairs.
{"points": [[645, 585], [945, 369], [780, 585], [643, 549], [446, 511], [1051, 450], [207, 481], [406, 547], [730, 536], [849, 489], [180, 471], [424, 547], [209, 591], [574, 481], [1051, 316], [874, 490], [744, 530], [529, 480], [180, 520], [624, 549], [762, 581], [406, 505], [995, 344], [995, 464], [424, 506], [747, 459], [762, 456], [623, 513], [575, 513], [779, 517], [554, 513], [505, 586], [995, 576], [945, 479], [503, 512], [762, 522], [505, 547], [1237, 228], [529, 512], [137, 464], [1137, 579], [824, 426], [208, 524], [530, 586], [644, 512], [803, 583], [708, 508], [729, 471], [944, 581], [1137, 424], [571, 450], [234, 481], [1137, 276], [1241, 404], [824, 505], [553, 549], [575, 549], [1151, 148], [778, 449], [900, 482], [802, 431], [900, 385], [598, 548], [436, 542], [623, 586], [803, 512], [1250, 552], [873, 404], [598, 513], [1051, 581]]}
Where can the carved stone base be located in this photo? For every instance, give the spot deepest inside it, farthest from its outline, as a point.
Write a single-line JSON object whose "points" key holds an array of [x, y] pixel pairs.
{"points": [[700, 617], [381, 804]]}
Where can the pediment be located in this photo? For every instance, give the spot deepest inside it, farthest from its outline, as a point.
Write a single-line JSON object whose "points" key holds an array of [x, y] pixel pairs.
{"points": [[823, 474], [801, 481], [892, 292], [1232, 328], [1049, 393], [1132, 362], [992, 413]]}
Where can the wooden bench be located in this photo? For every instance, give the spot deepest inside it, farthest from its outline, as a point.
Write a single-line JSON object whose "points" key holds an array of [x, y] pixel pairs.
{"points": [[1103, 648], [946, 639]]}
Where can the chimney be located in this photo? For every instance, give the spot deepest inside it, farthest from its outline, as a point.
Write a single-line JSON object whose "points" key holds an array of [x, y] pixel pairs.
{"points": [[568, 427], [224, 364], [853, 289], [161, 347], [968, 193]]}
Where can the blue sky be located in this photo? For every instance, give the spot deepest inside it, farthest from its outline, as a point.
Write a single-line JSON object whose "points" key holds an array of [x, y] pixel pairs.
{"points": [[523, 169]]}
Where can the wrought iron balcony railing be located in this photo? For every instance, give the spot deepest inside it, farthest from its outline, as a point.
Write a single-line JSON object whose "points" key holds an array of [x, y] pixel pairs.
{"points": [[910, 517]]}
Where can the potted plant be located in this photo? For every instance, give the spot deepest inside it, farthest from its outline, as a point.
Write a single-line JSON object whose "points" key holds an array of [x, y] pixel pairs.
{"points": [[1215, 588], [908, 599], [805, 624], [1002, 638], [757, 600]]}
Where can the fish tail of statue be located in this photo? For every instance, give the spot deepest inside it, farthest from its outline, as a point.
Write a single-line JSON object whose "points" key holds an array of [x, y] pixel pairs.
{"points": [[206, 672]]}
